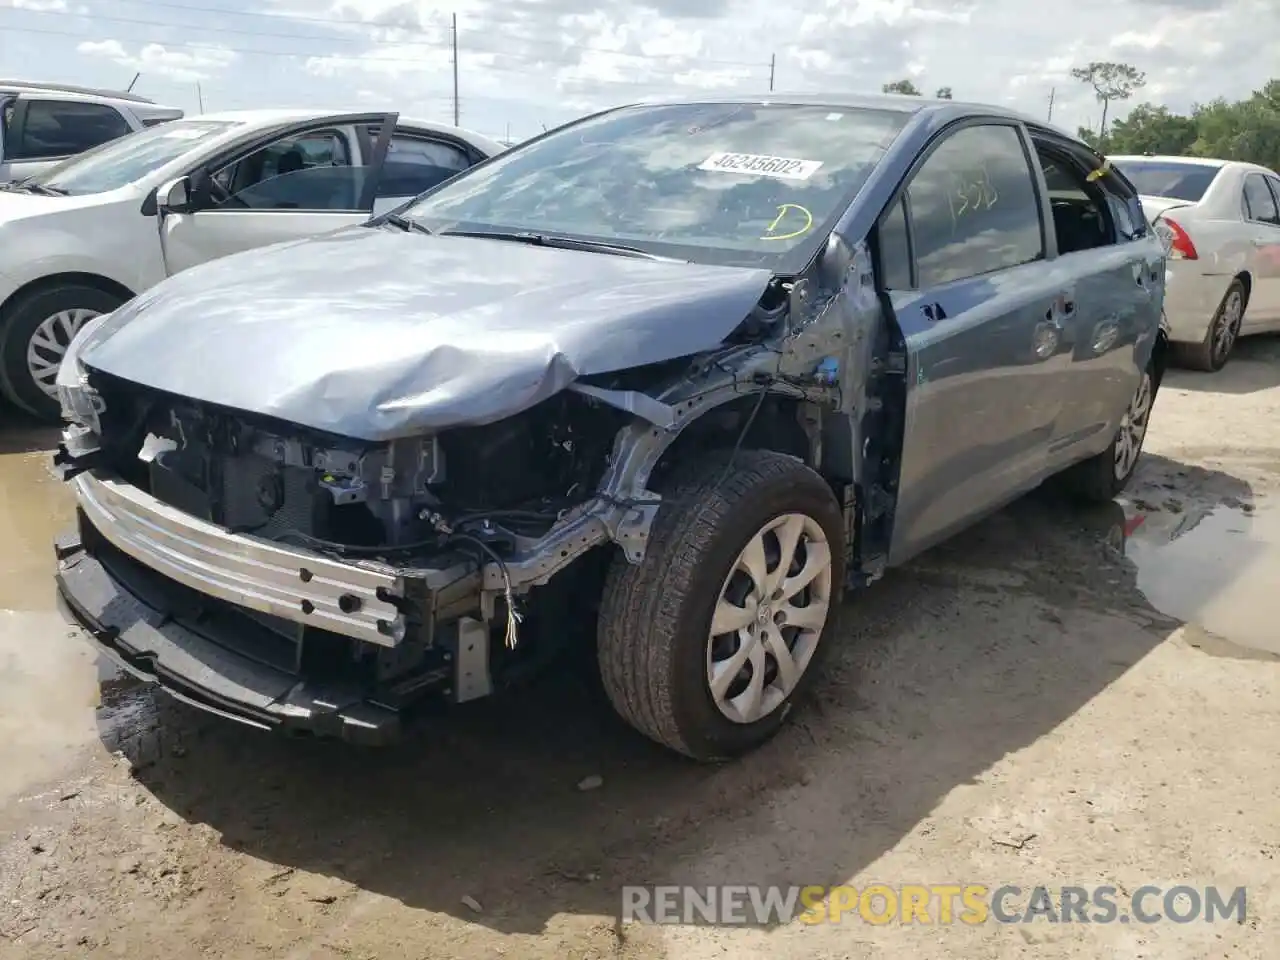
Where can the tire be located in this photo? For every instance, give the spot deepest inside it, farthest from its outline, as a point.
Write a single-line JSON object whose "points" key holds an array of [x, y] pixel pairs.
{"points": [[654, 643], [1101, 478], [76, 304], [1212, 353]]}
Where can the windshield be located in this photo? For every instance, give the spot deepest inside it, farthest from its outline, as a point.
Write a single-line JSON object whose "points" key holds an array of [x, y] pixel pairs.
{"points": [[121, 162], [744, 184], [1177, 181]]}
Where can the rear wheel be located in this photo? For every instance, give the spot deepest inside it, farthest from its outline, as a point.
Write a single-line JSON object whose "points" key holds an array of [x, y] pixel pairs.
{"points": [[35, 331], [1211, 354], [706, 645], [1101, 478]]}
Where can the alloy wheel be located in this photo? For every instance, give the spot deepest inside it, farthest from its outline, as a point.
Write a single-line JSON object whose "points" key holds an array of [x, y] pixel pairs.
{"points": [[49, 343], [769, 617], [1133, 428], [1227, 327]]}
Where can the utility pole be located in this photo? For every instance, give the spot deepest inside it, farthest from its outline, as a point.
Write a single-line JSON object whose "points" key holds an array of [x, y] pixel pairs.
{"points": [[1052, 91], [455, 71], [773, 64]]}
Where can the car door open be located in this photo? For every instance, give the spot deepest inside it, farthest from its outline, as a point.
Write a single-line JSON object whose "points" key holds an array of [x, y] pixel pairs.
{"points": [[302, 180]]}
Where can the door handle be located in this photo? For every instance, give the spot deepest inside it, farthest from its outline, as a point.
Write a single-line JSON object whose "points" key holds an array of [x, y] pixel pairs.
{"points": [[933, 312]]}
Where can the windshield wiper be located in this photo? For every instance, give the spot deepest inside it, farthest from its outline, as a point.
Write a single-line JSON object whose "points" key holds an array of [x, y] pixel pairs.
{"points": [[564, 243], [404, 223], [28, 186]]}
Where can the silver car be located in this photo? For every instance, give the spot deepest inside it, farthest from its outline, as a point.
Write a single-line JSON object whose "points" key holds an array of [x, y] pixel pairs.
{"points": [[1221, 222]]}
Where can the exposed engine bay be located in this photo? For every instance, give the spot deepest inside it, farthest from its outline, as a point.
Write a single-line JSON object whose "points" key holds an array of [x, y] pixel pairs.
{"points": [[412, 496]]}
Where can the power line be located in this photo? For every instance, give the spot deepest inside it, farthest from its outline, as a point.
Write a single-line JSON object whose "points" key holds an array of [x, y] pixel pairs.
{"points": [[339, 22], [355, 58]]}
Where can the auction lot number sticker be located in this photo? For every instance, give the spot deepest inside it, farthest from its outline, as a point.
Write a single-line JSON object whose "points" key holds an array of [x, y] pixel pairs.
{"points": [[785, 168]]}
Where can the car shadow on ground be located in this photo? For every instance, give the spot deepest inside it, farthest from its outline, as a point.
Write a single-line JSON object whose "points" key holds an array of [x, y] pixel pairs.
{"points": [[1254, 365], [943, 668], [20, 433]]}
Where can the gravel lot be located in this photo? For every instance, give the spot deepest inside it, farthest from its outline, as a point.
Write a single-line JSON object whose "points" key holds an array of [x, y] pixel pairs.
{"points": [[1041, 701]]}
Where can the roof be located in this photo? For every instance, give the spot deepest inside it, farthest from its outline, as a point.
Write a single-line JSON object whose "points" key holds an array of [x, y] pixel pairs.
{"points": [[26, 85], [1163, 158], [897, 102]]}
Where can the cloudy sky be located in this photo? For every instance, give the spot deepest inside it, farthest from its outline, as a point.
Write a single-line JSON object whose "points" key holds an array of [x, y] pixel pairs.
{"points": [[523, 64]]}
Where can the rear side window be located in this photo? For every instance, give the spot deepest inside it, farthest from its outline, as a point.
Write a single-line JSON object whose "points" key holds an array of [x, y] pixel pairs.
{"points": [[59, 128], [415, 165], [974, 206], [1259, 204], [1176, 181]]}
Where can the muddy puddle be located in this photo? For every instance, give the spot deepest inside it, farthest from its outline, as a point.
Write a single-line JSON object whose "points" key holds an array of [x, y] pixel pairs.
{"points": [[1217, 567], [52, 685]]}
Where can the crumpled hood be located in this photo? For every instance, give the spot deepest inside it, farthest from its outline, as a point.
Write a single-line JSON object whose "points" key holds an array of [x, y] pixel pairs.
{"points": [[376, 333]]}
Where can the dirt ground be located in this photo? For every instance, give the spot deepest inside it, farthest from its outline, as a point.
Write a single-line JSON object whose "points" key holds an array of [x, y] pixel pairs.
{"points": [[1041, 701]]}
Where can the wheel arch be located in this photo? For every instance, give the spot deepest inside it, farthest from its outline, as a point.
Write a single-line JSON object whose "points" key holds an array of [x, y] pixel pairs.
{"points": [[761, 419], [65, 279], [1246, 279]]}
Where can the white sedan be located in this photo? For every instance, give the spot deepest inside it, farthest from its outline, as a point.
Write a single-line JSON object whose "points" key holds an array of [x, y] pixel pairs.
{"points": [[1220, 220], [84, 237]]}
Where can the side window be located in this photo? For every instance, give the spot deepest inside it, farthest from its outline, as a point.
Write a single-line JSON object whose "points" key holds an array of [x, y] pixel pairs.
{"points": [[1083, 212], [1274, 184], [1258, 201], [415, 164], [310, 171], [62, 128], [974, 208], [895, 249]]}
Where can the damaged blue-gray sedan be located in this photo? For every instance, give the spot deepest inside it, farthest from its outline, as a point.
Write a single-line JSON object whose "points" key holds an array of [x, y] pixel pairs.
{"points": [[666, 380]]}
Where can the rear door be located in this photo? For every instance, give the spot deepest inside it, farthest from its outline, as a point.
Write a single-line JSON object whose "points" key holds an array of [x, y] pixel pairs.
{"points": [[1114, 268], [300, 181], [975, 299], [1262, 211]]}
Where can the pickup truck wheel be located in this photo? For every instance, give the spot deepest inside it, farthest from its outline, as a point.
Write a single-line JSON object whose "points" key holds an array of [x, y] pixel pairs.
{"points": [[35, 331], [1101, 478], [706, 644], [1211, 354]]}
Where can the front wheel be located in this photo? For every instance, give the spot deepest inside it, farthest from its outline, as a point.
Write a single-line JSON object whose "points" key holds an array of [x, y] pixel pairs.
{"points": [[1101, 478], [706, 644], [35, 332]]}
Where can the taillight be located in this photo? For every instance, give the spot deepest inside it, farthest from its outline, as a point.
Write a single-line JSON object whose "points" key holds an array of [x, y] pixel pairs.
{"points": [[1176, 242]]}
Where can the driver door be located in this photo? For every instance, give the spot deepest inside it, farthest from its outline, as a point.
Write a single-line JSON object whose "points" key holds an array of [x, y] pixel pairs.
{"points": [[299, 182]]}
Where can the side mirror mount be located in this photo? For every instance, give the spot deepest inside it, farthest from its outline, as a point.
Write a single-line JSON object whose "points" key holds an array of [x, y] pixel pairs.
{"points": [[175, 196]]}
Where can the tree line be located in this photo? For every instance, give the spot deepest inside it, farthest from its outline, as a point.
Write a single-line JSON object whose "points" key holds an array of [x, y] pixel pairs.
{"points": [[1247, 129]]}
